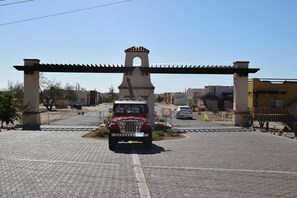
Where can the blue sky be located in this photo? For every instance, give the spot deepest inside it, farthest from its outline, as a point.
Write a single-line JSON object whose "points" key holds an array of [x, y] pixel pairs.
{"points": [[197, 32]]}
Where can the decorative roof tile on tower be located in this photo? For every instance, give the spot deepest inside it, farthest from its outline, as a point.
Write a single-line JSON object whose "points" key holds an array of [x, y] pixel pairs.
{"points": [[137, 49]]}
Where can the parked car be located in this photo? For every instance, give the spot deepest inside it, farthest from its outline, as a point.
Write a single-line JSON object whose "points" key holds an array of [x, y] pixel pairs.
{"points": [[184, 112], [78, 106]]}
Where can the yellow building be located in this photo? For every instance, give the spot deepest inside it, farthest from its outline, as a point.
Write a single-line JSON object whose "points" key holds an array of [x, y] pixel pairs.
{"points": [[272, 96]]}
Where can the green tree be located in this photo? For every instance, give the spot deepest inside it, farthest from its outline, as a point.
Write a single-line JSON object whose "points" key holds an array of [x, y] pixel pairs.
{"points": [[111, 94], [51, 95], [160, 99], [10, 110], [52, 91], [16, 89], [70, 94]]}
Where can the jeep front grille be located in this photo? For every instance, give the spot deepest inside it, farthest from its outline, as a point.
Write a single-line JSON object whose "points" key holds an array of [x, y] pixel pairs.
{"points": [[130, 126]]}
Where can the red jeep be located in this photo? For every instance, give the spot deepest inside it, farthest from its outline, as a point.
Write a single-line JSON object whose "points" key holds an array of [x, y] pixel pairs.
{"points": [[130, 122]]}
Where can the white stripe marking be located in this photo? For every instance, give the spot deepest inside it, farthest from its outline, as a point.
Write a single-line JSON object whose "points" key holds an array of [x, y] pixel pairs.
{"points": [[141, 181], [224, 169], [136, 162]]}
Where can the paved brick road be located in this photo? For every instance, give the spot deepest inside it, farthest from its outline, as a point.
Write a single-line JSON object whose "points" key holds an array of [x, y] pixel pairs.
{"points": [[213, 161]]}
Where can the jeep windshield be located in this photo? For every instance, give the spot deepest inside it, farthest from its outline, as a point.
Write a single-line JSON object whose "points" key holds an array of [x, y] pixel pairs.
{"points": [[185, 108], [130, 109]]}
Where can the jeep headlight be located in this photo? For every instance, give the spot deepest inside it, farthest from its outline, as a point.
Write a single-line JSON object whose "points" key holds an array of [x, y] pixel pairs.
{"points": [[121, 124], [138, 125]]}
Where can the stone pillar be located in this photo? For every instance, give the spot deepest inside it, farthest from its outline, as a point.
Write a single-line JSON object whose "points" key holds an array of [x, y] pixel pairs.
{"points": [[240, 98], [140, 82], [31, 114], [139, 52]]}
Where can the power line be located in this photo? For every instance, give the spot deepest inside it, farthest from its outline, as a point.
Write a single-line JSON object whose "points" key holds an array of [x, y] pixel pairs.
{"points": [[18, 2], [67, 12]]}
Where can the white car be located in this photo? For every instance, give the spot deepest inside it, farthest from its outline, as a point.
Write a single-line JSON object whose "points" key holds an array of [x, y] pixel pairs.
{"points": [[184, 112]]}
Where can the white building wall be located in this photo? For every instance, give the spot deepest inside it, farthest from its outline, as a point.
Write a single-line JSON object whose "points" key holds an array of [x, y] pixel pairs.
{"points": [[83, 97], [180, 98]]}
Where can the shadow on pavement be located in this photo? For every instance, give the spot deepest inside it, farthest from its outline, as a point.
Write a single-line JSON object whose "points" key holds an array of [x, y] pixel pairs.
{"points": [[138, 148], [186, 118]]}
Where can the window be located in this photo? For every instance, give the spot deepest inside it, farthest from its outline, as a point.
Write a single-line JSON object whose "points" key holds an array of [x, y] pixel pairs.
{"points": [[276, 103], [137, 62], [127, 108]]}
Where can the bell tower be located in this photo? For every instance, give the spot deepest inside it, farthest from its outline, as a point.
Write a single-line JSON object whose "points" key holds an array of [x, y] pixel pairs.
{"points": [[137, 82]]}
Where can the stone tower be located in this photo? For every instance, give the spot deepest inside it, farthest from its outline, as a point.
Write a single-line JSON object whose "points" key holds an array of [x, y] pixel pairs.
{"points": [[140, 82]]}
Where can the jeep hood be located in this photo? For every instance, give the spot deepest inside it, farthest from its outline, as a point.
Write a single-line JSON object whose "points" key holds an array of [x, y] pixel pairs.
{"points": [[116, 119]]}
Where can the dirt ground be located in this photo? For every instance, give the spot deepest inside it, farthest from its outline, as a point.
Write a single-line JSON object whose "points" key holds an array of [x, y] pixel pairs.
{"points": [[56, 114], [47, 117], [275, 128], [59, 114]]}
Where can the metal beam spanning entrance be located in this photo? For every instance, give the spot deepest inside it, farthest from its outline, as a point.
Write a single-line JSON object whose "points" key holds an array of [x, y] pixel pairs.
{"points": [[161, 69], [140, 77]]}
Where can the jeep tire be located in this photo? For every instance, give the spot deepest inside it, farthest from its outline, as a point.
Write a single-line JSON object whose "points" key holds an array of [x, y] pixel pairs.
{"points": [[112, 143], [148, 141]]}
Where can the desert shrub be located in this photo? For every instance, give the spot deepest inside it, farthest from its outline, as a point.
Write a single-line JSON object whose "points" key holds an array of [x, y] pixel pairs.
{"points": [[158, 135], [101, 132]]}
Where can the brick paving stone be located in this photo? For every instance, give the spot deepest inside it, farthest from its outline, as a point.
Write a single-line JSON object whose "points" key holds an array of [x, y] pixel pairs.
{"points": [[223, 164], [168, 182], [242, 150], [61, 164], [211, 162]]}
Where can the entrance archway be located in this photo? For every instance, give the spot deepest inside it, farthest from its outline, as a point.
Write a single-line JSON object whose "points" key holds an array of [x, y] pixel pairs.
{"points": [[139, 77]]}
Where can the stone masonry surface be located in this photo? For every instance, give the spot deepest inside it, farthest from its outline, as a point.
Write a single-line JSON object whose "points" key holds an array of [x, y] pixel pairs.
{"points": [[213, 161]]}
